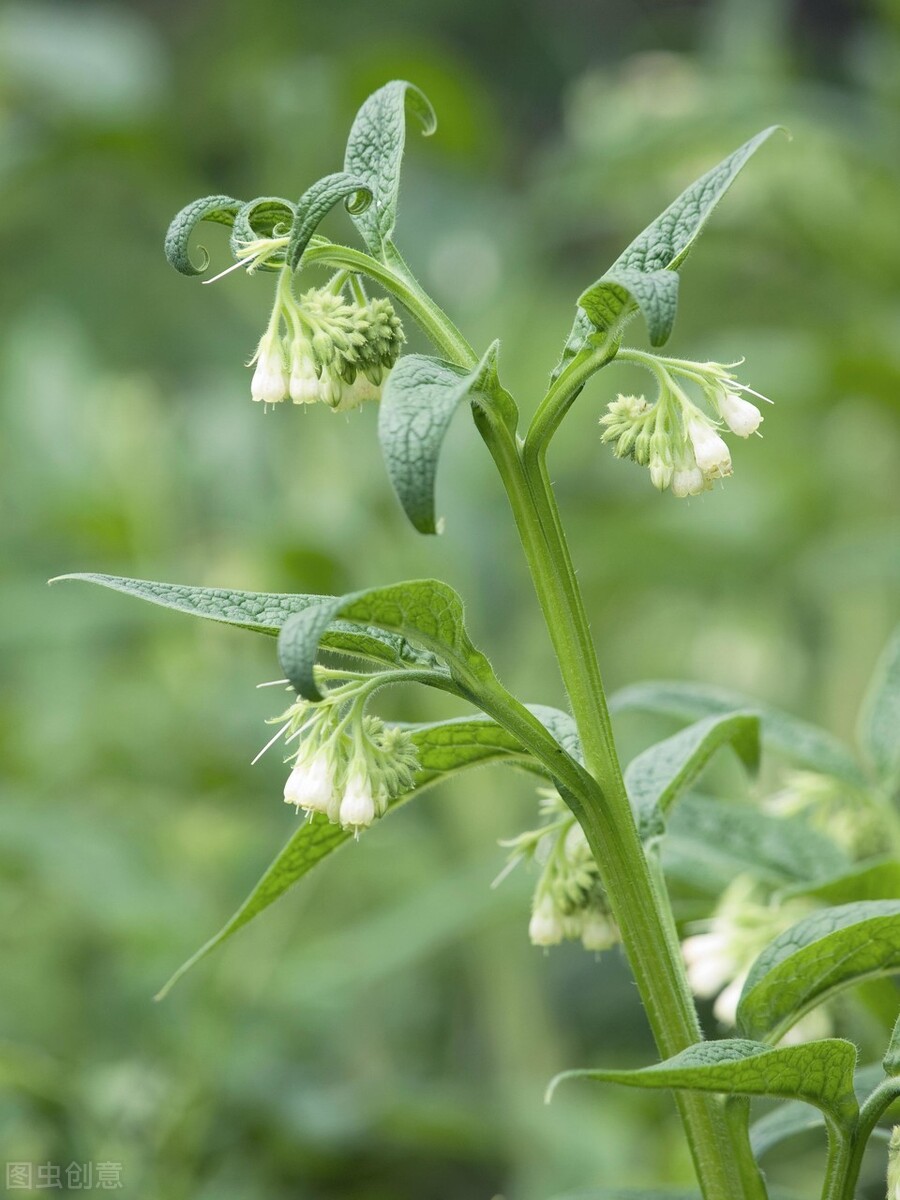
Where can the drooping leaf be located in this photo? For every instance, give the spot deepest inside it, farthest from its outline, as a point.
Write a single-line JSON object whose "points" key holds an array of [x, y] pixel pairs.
{"points": [[819, 1073], [873, 880], [444, 748], [826, 952], [658, 775], [420, 397], [375, 153], [317, 201], [800, 743], [793, 1117], [661, 247], [264, 612], [708, 842], [264, 217], [219, 209], [879, 728]]}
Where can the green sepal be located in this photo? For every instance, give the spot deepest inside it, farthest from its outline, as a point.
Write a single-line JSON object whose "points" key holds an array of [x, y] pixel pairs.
{"points": [[317, 201], [420, 397], [375, 154], [219, 209], [819, 1073]]}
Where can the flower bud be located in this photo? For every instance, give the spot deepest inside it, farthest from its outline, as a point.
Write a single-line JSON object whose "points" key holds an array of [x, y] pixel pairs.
{"points": [[712, 454], [546, 925], [310, 784], [598, 932], [893, 1171], [358, 804], [741, 417]]}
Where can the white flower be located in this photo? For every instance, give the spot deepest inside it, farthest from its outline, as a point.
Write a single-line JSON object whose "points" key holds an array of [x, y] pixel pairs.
{"points": [[741, 417], [709, 961], [310, 784], [331, 389], [269, 384], [304, 383], [546, 925], [598, 932], [687, 478], [660, 473], [712, 454], [357, 809], [726, 1005]]}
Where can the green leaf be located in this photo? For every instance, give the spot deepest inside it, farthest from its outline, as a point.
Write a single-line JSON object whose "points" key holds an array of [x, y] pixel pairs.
{"points": [[317, 201], [657, 776], [445, 748], [220, 209], [263, 612], [797, 741], [420, 397], [375, 153], [873, 880], [819, 1073], [891, 1062], [631, 1194], [793, 1118], [261, 218], [826, 952], [425, 611], [621, 289], [879, 729], [708, 842]]}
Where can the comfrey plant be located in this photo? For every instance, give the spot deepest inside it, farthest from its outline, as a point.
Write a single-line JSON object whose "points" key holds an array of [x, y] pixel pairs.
{"points": [[813, 910]]}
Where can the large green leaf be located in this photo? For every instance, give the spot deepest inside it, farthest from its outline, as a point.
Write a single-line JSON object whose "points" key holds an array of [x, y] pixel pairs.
{"points": [[264, 612], [658, 775], [420, 397], [875, 880], [642, 276], [819, 1073], [793, 1118], [800, 743], [828, 951], [375, 153], [444, 748], [708, 842], [317, 201], [219, 209], [879, 728]]}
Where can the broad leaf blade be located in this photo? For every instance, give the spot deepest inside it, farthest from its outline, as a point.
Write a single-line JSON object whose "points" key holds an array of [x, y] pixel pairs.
{"points": [[793, 1118], [879, 730], [819, 1073], [219, 209], [445, 748], [797, 741], [623, 289], [420, 397], [315, 204], [262, 612], [375, 154], [826, 952], [877, 880], [658, 775]]}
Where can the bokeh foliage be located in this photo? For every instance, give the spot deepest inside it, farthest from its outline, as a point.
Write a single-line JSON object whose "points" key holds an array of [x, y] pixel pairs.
{"points": [[388, 1030]]}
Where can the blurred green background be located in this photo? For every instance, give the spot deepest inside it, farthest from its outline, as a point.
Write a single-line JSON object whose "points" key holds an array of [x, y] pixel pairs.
{"points": [[387, 1030]]}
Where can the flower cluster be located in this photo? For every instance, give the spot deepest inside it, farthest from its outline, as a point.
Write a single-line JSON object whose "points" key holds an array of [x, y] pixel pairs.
{"points": [[569, 900], [672, 435], [848, 814], [348, 765], [719, 959], [322, 347]]}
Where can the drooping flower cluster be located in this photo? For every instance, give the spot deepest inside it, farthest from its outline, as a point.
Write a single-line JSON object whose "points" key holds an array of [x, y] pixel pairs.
{"points": [[322, 347], [348, 765], [673, 436], [719, 958], [850, 815], [569, 900]]}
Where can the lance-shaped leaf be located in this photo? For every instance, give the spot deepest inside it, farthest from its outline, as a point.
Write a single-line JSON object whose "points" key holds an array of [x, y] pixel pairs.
{"points": [[444, 749], [708, 842], [219, 209], [657, 776], [874, 880], [793, 1118], [420, 397], [819, 1073], [879, 727], [823, 954], [317, 201], [375, 153], [264, 217], [660, 248], [264, 612], [800, 743]]}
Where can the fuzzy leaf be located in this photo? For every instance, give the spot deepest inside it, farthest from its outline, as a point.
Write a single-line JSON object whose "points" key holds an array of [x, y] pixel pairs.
{"points": [[879, 730], [708, 842], [263, 612], [800, 743], [220, 209], [891, 1061], [792, 1118], [445, 748], [420, 397], [623, 289], [375, 153], [657, 776], [873, 880], [317, 201], [260, 218], [826, 952], [819, 1073]]}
